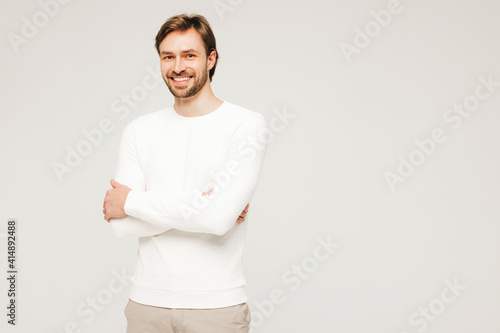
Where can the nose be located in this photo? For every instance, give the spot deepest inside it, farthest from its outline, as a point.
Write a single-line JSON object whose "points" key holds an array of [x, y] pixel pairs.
{"points": [[179, 66]]}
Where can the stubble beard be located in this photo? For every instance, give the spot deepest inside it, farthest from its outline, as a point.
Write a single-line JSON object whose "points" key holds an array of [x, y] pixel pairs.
{"points": [[185, 92]]}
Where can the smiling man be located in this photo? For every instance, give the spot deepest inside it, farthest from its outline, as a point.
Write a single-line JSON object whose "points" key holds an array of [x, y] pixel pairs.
{"points": [[185, 177]]}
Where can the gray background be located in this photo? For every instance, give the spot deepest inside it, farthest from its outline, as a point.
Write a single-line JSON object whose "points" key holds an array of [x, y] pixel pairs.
{"points": [[324, 173]]}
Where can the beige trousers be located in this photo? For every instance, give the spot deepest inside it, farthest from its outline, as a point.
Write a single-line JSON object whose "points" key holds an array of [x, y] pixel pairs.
{"points": [[143, 318]]}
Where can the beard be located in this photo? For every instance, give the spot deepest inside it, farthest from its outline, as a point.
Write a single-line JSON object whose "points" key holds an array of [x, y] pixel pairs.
{"points": [[184, 91]]}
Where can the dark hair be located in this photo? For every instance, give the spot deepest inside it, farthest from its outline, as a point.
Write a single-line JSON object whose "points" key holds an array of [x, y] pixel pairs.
{"points": [[184, 22]]}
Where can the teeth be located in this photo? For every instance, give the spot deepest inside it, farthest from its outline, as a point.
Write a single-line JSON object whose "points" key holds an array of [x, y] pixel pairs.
{"points": [[179, 79]]}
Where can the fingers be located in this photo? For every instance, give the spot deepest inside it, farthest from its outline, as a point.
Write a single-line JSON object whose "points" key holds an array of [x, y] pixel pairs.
{"points": [[208, 192], [243, 214], [107, 216], [104, 212], [115, 184], [245, 211]]}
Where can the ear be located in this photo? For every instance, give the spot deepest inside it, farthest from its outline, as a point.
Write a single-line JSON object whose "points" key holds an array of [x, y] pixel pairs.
{"points": [[211, 59]]}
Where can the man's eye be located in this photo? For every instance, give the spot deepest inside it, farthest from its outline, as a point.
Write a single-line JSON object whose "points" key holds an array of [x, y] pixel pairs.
{"points": [[167, 57], [190, 55]]}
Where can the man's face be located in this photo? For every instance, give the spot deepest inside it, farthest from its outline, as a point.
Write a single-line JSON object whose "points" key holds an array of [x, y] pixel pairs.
{"points": [[184, 63]]}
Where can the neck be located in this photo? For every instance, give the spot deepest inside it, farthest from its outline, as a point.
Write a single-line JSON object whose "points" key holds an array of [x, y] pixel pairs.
{"points": [[200, 104]]}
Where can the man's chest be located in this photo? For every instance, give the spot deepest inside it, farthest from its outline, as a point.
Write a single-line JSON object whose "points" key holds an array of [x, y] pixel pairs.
{"points": [[179, 157]]}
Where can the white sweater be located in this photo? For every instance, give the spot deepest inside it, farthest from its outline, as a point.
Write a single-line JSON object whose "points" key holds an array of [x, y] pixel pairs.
{"points": [[190, 246]]}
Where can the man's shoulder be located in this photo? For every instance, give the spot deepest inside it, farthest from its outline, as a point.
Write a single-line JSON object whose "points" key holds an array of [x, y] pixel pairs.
{"points": [[245, 121], [242, 114]]}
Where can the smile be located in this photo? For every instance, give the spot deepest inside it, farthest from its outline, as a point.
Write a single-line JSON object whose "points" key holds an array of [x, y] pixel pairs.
{"points": [[181, 78]]}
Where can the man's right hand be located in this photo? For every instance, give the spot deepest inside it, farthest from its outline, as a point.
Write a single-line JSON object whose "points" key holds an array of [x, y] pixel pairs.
{"points": [[240, 218]]}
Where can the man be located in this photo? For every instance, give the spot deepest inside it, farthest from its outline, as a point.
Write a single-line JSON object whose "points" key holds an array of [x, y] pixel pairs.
{"points": [[185, 177]]}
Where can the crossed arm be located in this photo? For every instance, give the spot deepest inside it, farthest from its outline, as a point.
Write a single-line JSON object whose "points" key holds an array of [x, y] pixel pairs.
{"points": [[114, 202], [133, 211]]}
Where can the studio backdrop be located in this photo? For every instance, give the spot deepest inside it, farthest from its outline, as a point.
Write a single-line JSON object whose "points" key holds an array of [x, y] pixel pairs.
{"points": [[377, 205]]}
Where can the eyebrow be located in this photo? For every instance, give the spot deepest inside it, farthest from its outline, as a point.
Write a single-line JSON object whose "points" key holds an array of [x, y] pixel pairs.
{"points": [[184, 51]]}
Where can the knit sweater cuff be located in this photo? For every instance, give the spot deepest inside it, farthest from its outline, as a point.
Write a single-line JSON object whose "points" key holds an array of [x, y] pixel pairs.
{"points": [[132, 205]]}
